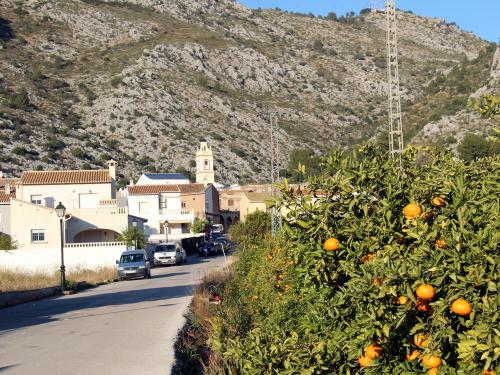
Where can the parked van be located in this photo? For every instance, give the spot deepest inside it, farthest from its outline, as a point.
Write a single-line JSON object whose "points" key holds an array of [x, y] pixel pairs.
{"points": [[169, 254], [134, 264]]}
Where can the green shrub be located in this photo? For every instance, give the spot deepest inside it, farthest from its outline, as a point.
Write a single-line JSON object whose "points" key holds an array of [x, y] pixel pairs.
{"points": [[474, 146], [6, 243], [20, 100]]}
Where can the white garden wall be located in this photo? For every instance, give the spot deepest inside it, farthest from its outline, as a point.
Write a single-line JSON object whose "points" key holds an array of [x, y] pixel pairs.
{"points": [[49, 260]]}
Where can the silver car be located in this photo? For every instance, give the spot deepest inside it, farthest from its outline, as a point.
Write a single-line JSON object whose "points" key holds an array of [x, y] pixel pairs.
{"points": [[133, 264], [169, 254]]}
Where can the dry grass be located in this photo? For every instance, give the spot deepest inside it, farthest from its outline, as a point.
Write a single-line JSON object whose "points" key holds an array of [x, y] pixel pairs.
{"points": [[17, 280]]}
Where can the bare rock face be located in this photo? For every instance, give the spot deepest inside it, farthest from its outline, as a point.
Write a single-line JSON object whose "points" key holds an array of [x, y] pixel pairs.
{"points": [[143, 80]]}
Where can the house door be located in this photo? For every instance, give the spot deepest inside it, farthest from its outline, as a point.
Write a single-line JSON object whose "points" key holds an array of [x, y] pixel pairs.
{"points": [[89, 200]]}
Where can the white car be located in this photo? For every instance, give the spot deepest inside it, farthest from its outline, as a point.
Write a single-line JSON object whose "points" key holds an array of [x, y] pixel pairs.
{"points": [[169, 254]]}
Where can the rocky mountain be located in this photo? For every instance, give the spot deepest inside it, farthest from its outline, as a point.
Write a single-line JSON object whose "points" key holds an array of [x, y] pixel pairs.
{"points": [[143, 80]]}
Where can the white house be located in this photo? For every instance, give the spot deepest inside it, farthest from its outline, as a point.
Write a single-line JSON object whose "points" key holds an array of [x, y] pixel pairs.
{"points": [[93, 214], [160, 204], [162, 179]]}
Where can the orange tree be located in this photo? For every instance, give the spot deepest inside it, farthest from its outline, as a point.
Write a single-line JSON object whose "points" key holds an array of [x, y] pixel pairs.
{"points": [[300, 305]]}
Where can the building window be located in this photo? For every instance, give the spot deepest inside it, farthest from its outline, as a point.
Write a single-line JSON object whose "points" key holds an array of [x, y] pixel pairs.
{"points": [[38, 235], [144, 207], [183, 204], [207, 165], [163, 202], [230, 202], [36, 199]]}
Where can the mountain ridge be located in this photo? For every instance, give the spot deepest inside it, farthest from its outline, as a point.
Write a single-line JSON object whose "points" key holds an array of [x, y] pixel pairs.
{"points": [[142, 81]]}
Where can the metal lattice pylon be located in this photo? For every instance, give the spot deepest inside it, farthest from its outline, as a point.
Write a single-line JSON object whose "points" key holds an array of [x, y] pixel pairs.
{"points": [[275, 172], [395, 118]]}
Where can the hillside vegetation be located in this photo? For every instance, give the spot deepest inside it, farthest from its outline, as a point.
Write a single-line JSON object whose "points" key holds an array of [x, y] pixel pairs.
{"points": [[142, 81]]}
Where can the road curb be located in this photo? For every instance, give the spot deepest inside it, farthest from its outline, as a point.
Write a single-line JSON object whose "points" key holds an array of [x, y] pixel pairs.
{"points": [[14, 298]]}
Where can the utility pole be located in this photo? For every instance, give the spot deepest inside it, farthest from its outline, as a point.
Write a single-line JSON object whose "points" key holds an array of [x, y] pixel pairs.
{"points": [[395, 118], [275, 172]]}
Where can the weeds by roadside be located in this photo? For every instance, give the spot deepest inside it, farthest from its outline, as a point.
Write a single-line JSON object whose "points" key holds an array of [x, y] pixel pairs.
{"points": [[193, 353], [18, 280]]}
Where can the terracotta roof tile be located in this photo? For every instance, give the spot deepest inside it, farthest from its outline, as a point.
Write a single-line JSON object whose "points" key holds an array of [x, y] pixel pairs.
{"points": [[8, 181], [192, 188], [65, 177], [152, 189], [4, 198]]}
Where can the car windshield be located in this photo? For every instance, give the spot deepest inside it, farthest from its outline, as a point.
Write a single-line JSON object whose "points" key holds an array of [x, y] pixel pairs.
{"points": [[131, 258], [165, 248]]}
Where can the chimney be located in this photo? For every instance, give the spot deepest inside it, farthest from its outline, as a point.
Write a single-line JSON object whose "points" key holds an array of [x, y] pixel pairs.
{"points": [[112, 169]]}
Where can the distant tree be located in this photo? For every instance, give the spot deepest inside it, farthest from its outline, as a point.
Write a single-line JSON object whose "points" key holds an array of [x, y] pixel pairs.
{"points": [[130, 235], [199, 226], [474, 146], [332, 16], [305, 158], [365, 11]]}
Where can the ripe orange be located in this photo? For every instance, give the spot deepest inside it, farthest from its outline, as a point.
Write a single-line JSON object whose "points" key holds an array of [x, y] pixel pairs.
{"points": [[432, 371], [331, 244], [373, 351], [441, 244], [489, 372], [365, 361], [402, 300], [438, 201], [432, 361], [413, 355], [426, 292], [421, 340], [423, 305], [377, 281], [461, 307], [412, 211]]}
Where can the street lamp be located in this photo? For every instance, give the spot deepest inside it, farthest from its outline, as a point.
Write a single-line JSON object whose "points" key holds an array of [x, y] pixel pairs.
{"points": [[134, 224], [61, 211], [166, 225]]}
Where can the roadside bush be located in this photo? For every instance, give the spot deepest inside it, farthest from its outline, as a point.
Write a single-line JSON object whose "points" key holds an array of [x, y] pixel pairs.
{"points": [[294, 307], [474, 146], [6, 243]]}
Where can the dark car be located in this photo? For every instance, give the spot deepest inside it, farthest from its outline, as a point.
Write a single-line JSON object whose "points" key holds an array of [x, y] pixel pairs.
{"points": [[209, 248], [222, 242]]}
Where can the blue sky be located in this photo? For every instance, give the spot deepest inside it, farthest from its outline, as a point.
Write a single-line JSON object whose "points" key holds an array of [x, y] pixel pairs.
{"points": [[480, 16]]}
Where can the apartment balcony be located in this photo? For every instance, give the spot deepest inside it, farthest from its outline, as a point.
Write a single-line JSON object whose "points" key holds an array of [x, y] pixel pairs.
{"points": [[100, 211], [176, 216]]}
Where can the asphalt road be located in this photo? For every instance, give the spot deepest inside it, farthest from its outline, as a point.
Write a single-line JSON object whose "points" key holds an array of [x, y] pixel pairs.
{"points": [[122, 328]]}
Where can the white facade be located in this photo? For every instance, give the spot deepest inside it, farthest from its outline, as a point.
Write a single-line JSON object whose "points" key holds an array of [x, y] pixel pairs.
{"points": [[5, 217], [71, 196], [159, 208], [162, 179]]}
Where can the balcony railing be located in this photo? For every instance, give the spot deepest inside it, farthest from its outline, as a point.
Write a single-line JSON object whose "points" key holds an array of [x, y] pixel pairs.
{"points": [[164, 211], [94, 244], [99, 211]]}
